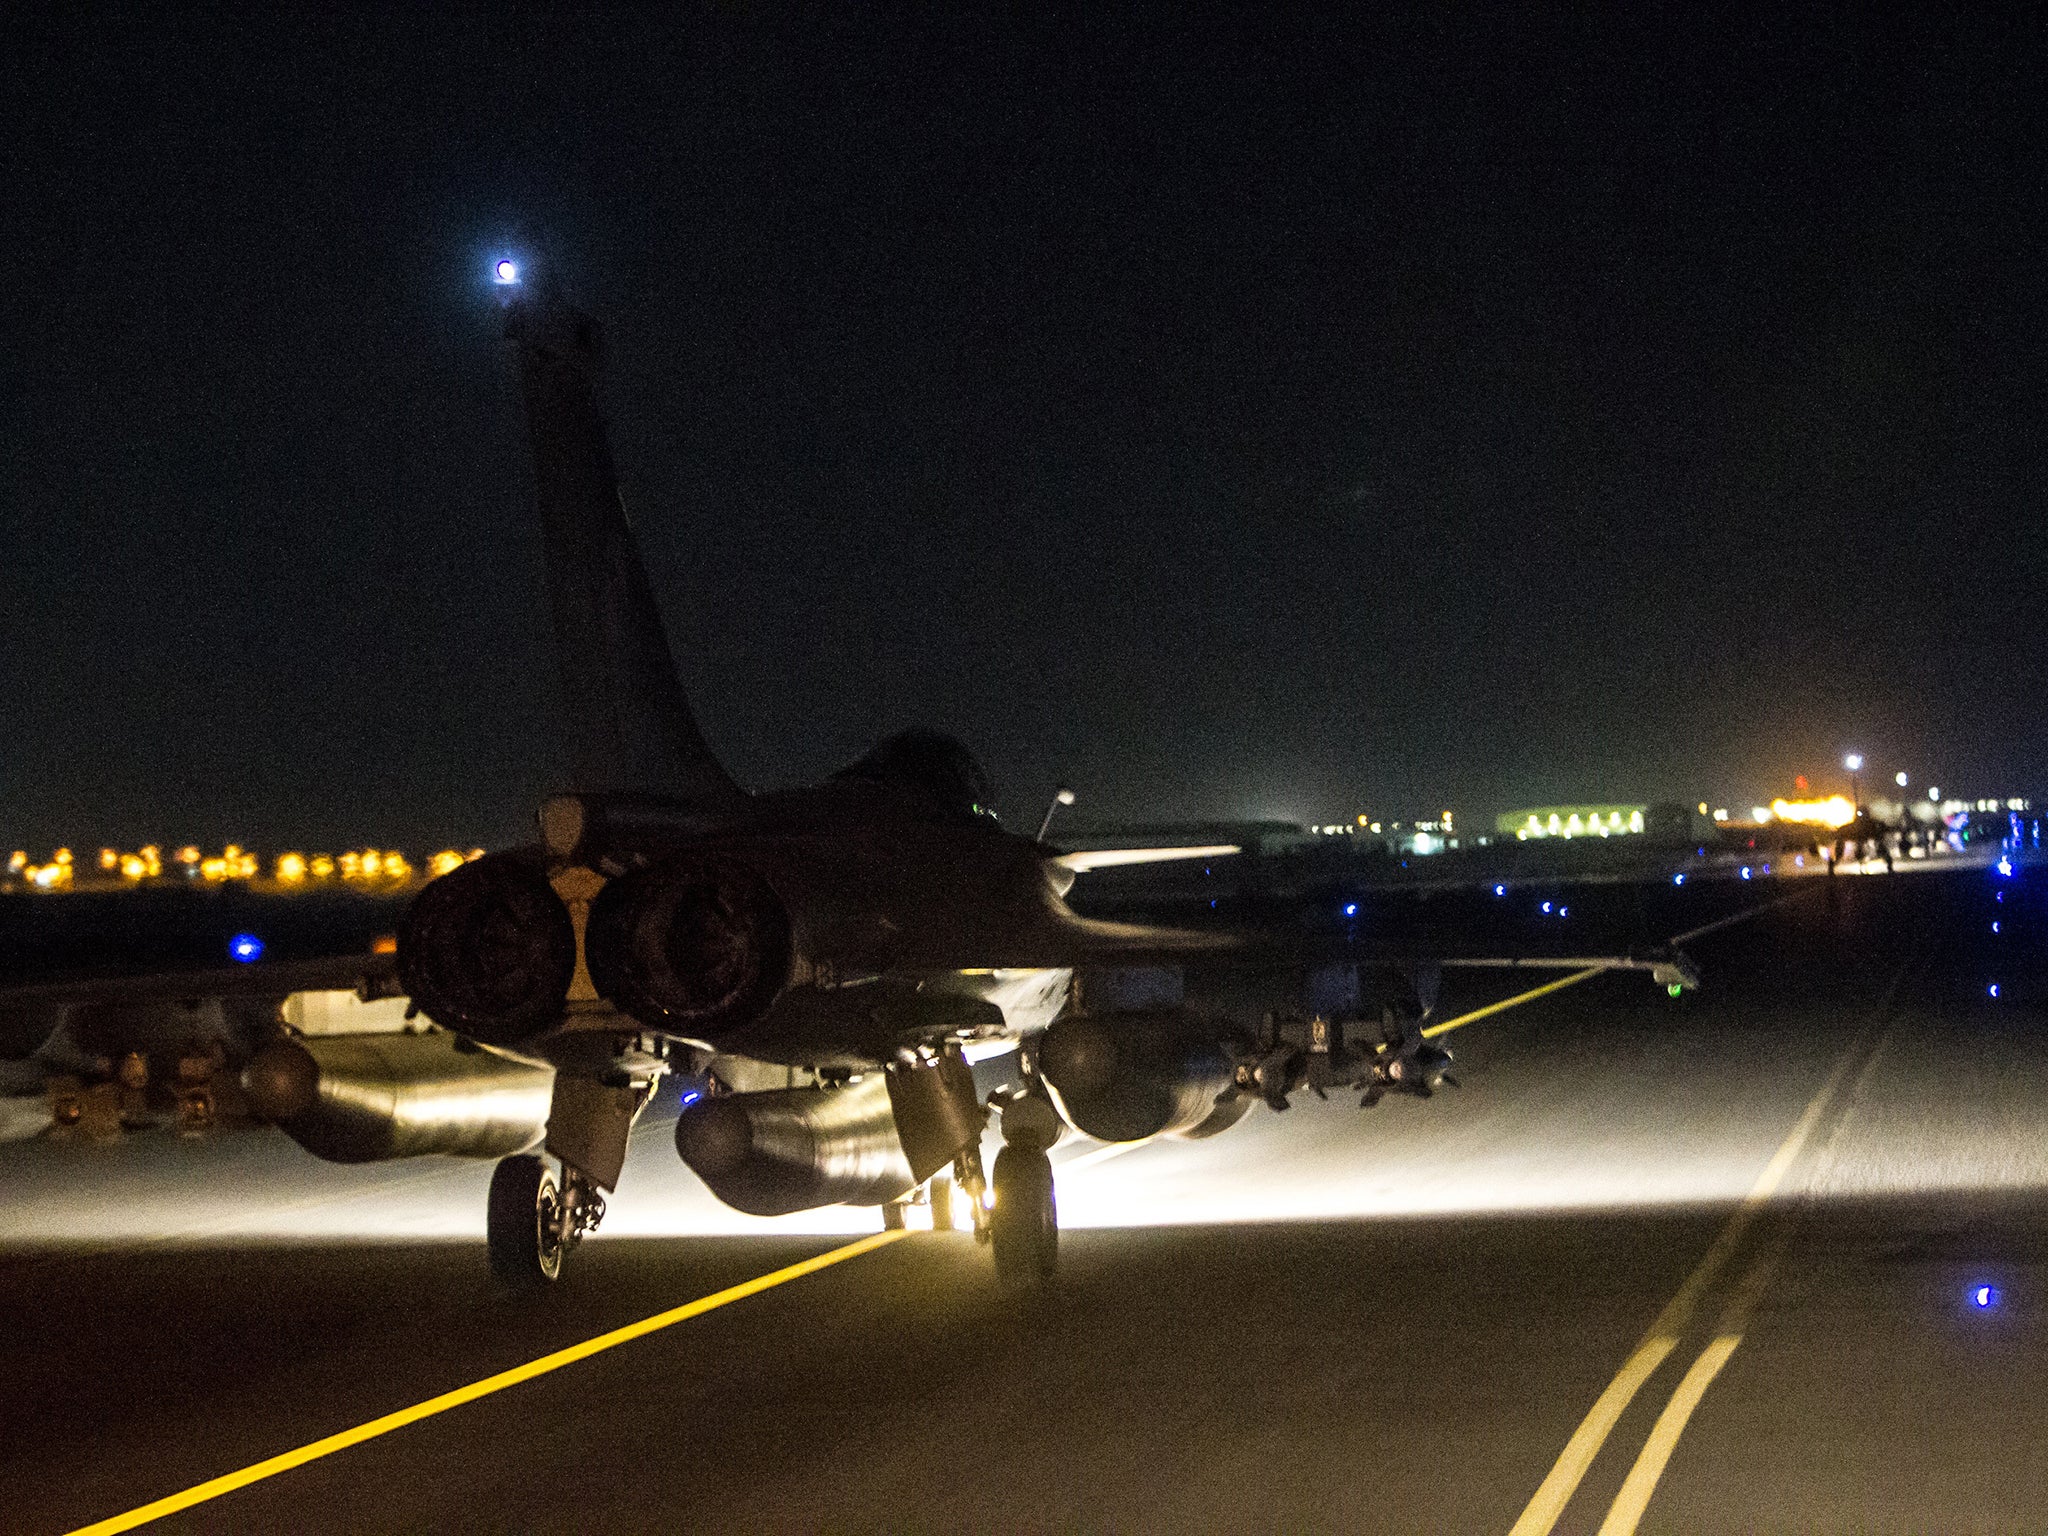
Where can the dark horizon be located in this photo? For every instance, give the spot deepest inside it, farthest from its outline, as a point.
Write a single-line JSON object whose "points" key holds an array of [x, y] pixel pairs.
{"points": [[1243, 418]]}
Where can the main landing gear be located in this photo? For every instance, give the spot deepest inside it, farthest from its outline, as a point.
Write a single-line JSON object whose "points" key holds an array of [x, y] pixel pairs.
{"points": [[1014, 1211], [937, 1196], [532, 1221]]}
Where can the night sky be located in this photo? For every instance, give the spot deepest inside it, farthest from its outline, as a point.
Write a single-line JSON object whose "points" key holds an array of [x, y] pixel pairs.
{"points": [[1229, 418]]}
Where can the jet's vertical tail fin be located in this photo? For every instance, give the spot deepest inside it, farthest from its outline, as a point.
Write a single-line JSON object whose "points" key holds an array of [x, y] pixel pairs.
{"points": [[630, 727]]}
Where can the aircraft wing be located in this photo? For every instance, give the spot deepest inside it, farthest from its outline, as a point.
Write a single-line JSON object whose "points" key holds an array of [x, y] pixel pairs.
{"points": [[1084, 859], [374, 974]]}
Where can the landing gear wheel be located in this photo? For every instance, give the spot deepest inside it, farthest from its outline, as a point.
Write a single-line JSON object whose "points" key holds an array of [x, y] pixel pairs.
{"points": [[942, 1205], [523, 1222], [1025, 1222], [893, 1218]]}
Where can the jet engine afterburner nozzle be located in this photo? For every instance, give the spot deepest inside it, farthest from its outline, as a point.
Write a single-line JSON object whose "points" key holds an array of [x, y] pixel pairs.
{"points": [[698, 946], [488, 950]]}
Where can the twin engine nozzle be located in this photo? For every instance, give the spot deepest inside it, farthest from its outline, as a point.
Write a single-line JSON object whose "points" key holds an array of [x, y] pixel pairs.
{"points": [[693, 945]]}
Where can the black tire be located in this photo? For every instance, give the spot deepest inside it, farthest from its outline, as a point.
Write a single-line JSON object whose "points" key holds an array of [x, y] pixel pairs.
{"points": [[892, 1217], [520, 1223], [1025, 1223]]}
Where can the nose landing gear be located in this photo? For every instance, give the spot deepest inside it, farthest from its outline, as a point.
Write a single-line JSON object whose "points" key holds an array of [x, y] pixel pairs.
{"points": [[1024, 1224]]}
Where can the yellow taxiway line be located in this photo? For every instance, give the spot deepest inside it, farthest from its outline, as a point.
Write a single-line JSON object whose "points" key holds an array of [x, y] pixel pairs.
{"points": [[1557, 1488], [213, 1488], [1630, 1505], [1634, 1498]]}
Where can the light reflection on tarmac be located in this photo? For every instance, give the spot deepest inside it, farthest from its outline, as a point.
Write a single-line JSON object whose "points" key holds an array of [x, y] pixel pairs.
{"points": [[1658, 1118]]}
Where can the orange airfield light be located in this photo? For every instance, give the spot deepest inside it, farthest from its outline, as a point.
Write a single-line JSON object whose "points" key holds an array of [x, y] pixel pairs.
{"points": [[1835, 811], [368, 866]]}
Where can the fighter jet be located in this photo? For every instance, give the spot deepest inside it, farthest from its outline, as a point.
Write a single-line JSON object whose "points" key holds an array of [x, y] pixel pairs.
{"points": [[821, 963]]}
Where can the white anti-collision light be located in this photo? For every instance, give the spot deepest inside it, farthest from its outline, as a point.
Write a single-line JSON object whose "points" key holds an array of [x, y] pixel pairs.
{"points": [[505, 272]]}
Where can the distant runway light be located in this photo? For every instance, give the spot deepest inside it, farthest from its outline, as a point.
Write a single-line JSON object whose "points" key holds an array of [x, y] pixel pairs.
{"points": [[245, 947], [505, 272]]}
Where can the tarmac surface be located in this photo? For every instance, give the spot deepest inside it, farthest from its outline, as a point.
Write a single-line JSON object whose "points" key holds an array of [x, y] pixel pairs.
{"points": [[1696, 1265]]}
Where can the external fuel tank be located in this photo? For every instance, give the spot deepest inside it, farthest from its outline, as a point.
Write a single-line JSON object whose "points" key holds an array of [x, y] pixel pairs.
{"points": [[790, 1149], [367, 1098]]}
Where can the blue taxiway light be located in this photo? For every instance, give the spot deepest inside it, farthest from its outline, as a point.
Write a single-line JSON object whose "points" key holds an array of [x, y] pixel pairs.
{"points": [[1564, 911], [1546, 906], [1994, 989], [2005, 867], [1994, 927], [1745, 871], [1984, 1297], [245, 947], [692, 1096], [1679, 878], [505, 272], [1500, 890], [1351, 909]]}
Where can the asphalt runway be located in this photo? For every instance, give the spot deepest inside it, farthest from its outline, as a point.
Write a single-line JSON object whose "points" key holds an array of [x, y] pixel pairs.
{"points": [[1698, 1265]]}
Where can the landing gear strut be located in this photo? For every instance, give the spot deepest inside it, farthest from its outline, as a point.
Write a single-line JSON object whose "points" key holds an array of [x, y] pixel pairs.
{"points": [[936, 1196], [532, 1221]]}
